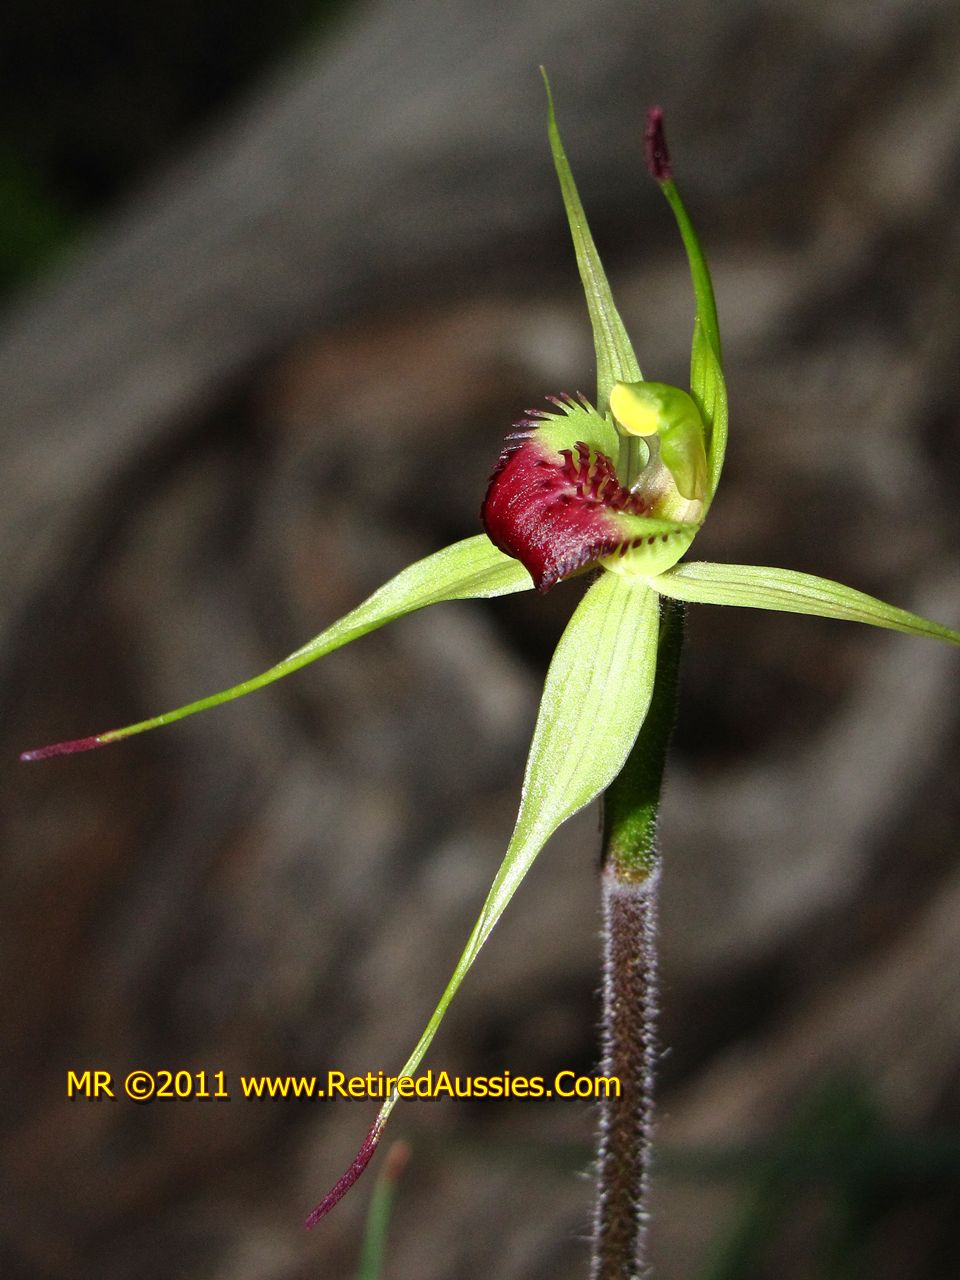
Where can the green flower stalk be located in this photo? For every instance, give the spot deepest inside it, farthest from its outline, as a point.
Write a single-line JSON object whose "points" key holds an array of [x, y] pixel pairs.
{"points": [[618, 487]]}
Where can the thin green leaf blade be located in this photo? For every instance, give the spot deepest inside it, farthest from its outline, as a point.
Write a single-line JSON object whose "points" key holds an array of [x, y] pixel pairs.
{"points": [[616, 361], [471, 569], [594, 701], [787, 591]]}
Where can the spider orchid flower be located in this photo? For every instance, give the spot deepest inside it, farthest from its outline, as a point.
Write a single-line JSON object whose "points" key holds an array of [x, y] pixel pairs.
{"points": [[620, 486]]}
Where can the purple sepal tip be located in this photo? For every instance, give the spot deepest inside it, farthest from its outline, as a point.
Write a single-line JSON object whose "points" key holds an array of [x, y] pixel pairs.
{"points": [[64, 748], [344, 1183], [655, 146]]}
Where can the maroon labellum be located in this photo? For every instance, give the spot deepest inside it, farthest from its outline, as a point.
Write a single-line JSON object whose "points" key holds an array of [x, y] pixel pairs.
{"points": [[555, 501]]}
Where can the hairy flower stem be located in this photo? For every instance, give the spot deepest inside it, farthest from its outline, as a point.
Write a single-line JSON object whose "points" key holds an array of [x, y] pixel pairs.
{"points": [[629, 1053], [630, 879]]}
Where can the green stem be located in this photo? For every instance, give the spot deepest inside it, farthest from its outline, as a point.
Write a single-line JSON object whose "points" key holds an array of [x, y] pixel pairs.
{"points": [[630, 880], [632, 801]]}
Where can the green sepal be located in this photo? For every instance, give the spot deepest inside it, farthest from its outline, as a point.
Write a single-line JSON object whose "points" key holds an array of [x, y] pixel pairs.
{"points": [[786, 591], [596, 696], [616, 361], [472, 569]]}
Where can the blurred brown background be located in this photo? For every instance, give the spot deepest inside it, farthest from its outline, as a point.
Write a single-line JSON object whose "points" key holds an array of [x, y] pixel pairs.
{"points": [[278, 279]]}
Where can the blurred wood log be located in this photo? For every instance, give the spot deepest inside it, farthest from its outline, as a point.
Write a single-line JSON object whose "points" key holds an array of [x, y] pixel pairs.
{"points": [[285, 886]]}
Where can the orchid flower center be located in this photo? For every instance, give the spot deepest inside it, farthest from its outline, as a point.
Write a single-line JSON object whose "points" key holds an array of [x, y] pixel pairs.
{"points": [[670, 473], [573, 488]]}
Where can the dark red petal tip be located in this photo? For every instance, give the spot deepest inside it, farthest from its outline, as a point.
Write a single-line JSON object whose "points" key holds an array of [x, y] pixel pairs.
{"points": [[344, 1183], [655, 146], [64, 748]]}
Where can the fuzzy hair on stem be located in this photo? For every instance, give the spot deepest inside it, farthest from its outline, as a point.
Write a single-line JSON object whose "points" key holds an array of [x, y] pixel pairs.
{"points": [[630, 1003]]}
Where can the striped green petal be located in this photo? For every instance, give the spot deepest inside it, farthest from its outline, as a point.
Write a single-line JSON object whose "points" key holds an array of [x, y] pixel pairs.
{"points": [[471, 569], [596, 696], [786, 591]]}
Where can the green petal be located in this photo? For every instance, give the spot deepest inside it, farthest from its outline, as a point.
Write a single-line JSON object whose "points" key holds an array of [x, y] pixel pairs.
{"points": [[472, 569], [756, 587], [616, 361], [596, 695]]}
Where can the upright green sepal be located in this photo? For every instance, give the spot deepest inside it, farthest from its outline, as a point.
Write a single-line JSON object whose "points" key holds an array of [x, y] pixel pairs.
{"points": [[616, 361]]}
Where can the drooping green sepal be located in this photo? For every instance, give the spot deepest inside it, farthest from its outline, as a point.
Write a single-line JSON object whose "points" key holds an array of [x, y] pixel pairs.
{"points": [[472, 569], [597, 692], [786, 591]]}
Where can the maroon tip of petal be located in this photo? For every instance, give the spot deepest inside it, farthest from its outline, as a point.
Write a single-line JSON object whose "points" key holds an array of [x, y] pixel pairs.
{"points": [[655, 146], [344, 1183], [65, 748]]}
